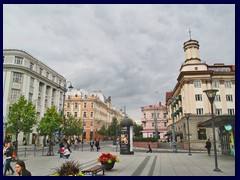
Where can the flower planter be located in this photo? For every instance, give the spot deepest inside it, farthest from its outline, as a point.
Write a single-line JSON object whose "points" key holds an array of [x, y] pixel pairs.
{"points": [[108, 166]]}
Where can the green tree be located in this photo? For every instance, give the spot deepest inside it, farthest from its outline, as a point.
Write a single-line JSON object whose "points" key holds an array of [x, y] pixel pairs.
{"points": [[137, 130], [21, 118], [49, 125], [113, 128], [72, 127], [103, 131]]}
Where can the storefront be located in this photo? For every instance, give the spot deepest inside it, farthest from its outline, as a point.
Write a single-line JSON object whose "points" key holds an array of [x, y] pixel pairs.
{"points": [[226, 125]]}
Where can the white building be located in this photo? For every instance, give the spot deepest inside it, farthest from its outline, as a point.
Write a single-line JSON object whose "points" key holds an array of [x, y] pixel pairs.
{"points": [[25, 75]]}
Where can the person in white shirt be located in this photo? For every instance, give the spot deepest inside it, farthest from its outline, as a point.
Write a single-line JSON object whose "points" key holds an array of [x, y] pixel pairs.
{"points": [[66, 153]]}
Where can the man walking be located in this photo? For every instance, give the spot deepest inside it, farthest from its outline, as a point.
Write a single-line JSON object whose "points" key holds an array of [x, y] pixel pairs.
{"points": [[208, 146]]}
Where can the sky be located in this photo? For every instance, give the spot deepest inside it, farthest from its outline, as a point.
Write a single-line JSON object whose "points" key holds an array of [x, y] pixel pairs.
{"points": [[132, 53]]}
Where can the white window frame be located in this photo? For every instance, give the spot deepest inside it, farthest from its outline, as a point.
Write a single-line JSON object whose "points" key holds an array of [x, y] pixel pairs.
{"points": [[215, 84], [231, 112], [199, 111], [17, 77], [218, 112], [217, 98], [15, 94], [229, 98], [227, 84], [18, 60], [198, 97], [197, 83]]}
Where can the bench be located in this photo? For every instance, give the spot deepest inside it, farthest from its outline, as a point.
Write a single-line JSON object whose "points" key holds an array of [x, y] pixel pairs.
{"points": [[94, 170]]}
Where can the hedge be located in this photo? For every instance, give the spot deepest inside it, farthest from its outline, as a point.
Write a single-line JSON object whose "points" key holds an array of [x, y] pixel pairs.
{"points": [[141, 139]]}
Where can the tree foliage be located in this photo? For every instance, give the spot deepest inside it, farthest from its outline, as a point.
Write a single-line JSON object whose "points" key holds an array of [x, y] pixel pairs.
{"points": [[114, 127], [103, 130], [137, 129], [21, 118], [50, 122], [72, 126]]}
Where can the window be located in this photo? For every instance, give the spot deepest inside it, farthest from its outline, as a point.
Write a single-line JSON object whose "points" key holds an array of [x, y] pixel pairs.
{"points": [[85, 114], [31, 81], [227, 84], [152, 115], [15, 94], [76, 105], [75, 114], [91, 114], [218, 111], [18, 60], [217, 98], [229, 97], [30, 95], [202, 134], [31, 66], [17, 77], [144, 115], [165, 115], [41, 71], [231, 112], [53, 78], [68, 114], [85, 105], [68, 105], [47, 75], [215, 84], [198, 97], [152, 124], [92, 105], [165, 124], [197, 83], [158, 115], [84, 123], [91, 123], [199, 111], [69, 96]]}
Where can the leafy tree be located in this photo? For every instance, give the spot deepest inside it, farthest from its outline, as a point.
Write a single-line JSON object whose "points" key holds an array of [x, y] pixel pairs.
{"points": [[49, 124], [72, 127], [103, 131], [137, 129], [113, 126], [21, 118]]}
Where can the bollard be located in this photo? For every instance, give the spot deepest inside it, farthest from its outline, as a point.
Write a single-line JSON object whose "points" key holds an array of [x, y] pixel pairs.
{"points": [[25, 153], [34, 150]]}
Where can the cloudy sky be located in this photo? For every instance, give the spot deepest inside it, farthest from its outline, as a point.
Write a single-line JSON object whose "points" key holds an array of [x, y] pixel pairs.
{"points": [[127, 51]]}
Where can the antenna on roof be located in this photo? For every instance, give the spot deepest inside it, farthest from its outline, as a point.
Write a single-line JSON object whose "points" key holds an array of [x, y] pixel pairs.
{"points": [[190, 33]]}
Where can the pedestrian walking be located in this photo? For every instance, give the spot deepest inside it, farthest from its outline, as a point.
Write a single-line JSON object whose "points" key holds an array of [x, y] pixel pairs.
{"points": [[21, 170], [8, 153], [91, 145], [208, 146], [97, 145], [149, 148]]}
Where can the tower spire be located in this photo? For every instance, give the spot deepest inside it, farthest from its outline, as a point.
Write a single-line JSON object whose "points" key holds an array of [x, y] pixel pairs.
{"points": [[190, 33]]}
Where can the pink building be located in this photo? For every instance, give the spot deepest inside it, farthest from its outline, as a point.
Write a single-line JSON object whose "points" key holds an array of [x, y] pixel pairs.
{"points": [[148, 123]]}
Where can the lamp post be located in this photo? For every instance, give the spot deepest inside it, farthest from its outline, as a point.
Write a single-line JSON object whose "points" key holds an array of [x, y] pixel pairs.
{"points": [[187, 115], [82, 132], [64, 98], [211, 95], [155, 123], [174, 145]]}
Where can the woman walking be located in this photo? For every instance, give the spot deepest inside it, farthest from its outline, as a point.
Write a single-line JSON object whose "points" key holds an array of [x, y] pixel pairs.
{"points": [[8, 153]]}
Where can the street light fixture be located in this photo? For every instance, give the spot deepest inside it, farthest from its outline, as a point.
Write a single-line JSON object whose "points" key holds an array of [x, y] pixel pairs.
{"points": [[174, 145], [83, 130], [64, 98], [155, 123], [211, 96], [187, 115]]}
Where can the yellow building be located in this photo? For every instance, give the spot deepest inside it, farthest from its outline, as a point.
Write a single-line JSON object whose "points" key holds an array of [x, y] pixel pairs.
{"points": [[94, 109], [188, 97]]}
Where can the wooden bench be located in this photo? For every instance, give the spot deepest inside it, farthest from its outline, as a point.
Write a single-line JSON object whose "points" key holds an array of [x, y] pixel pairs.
{"points": [[94, 170]]}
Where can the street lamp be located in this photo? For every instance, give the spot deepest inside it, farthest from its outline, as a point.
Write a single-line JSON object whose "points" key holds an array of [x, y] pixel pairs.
{"points": [[211, 95], [155, 123], [83, 130], [187, 115], [174, 145], [64, 98]]}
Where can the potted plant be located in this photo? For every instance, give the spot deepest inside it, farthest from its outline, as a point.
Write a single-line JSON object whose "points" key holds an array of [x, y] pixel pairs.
{"points": [[108, 160], [69, 168]]}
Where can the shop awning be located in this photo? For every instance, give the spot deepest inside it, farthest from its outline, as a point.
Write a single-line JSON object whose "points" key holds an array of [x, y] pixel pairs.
{"points": [[219, 121]]}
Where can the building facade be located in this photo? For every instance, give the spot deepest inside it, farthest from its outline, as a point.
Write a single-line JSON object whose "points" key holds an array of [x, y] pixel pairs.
{"points": [[188, 97], [25, 75], [93, 109], [149, 114]]}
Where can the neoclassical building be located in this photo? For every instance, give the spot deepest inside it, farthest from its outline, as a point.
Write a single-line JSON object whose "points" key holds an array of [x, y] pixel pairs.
{"points": [[148, 121], [93, 109], [188, 97], [25, 75]]}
